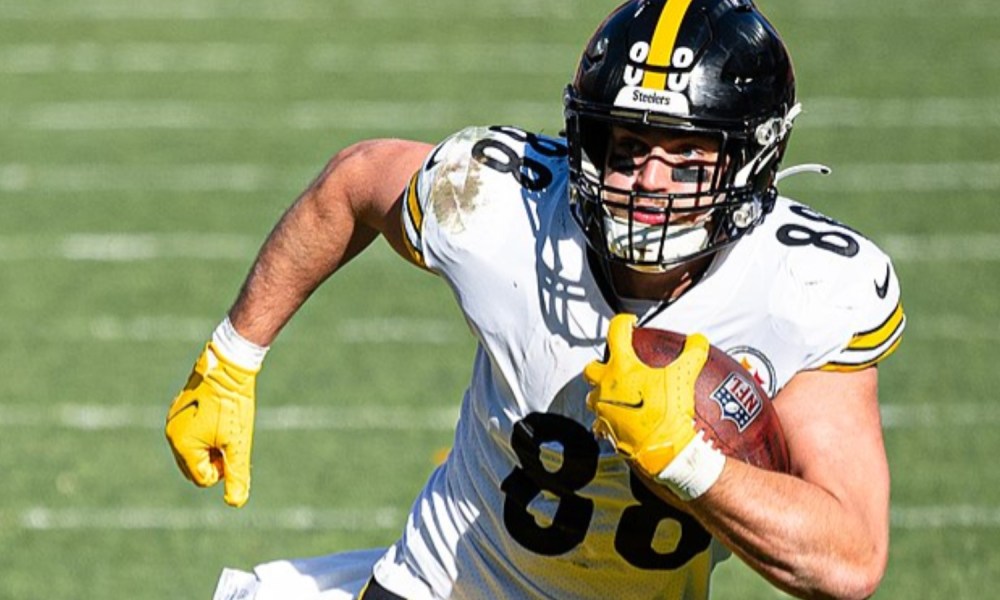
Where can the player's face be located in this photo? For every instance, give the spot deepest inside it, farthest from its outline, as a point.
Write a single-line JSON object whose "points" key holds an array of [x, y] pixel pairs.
{"points": [[649, 161]]}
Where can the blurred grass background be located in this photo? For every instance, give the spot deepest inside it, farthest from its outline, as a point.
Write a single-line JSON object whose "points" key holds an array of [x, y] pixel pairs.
{"points": [[146, 149]]}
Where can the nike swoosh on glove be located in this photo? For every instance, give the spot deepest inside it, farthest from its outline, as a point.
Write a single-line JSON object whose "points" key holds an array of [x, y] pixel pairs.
{"points": [[210, 425], [646, 412]]}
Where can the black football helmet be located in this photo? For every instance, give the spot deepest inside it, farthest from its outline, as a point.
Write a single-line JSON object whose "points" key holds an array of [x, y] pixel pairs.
{"points": [[713, 68]]}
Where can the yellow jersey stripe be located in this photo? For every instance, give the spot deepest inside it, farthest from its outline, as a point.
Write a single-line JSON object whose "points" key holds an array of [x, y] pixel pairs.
{"points": [[413, 203], [661, 48], [414, 253], [412, 221], [870, 340], [849, 367]]}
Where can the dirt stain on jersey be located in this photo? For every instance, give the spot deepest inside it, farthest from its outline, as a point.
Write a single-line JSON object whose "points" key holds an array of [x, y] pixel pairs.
{"points": [[455, 191]]}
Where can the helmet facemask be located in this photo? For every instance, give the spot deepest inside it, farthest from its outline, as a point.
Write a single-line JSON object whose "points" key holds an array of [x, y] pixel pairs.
{"points": [[715, 203], [705, 68]]}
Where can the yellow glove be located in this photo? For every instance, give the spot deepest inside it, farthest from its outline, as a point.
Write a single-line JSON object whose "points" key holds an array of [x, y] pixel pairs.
{"points": [[647, 412], [210, 425]]}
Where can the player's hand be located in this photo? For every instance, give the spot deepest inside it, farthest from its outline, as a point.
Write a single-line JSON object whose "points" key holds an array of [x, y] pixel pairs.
{"points": [[647, 412], [210, 425]]}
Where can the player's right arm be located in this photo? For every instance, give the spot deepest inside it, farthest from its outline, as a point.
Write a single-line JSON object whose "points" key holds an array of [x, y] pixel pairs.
{"points": [[356, 198]]}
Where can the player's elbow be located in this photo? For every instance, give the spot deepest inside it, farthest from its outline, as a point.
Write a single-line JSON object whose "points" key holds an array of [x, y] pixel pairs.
{"points": [[870, 568], [367, 176], [862, 583], [356, 163], [854, 579]]}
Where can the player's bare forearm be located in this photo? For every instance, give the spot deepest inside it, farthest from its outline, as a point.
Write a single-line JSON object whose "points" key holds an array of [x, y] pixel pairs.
{"points": [[823, 531], [799, 537], [353, 200]]}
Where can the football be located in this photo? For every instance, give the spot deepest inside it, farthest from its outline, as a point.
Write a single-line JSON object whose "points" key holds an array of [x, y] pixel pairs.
{"points": [[730, 406]]}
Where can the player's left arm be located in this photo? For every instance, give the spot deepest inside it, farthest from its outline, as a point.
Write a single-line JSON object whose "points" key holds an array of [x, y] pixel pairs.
{"points": [[823, 531], [819, 531]]}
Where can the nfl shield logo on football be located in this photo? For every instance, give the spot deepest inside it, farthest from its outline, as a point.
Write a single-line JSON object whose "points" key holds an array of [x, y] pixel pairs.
{"points": [[738, 400]]}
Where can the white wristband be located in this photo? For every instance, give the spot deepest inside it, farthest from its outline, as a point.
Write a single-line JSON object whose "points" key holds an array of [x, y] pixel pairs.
{"points": [[236, 348], [698, 466]]}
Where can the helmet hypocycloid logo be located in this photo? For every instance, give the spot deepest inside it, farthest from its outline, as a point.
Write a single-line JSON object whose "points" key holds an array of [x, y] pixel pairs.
{"points": [[670, 100], [678, 79]]}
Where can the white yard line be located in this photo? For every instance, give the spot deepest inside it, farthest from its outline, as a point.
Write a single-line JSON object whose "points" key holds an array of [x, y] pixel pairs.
{"points": [[41, 518], [391, 115], [898, 113], [380, 518], [393, 329], [228, 57], [345, 115], [957, 248], [138, 247], [105, 177], [200, 10], [168, 328], [945, 516], [128, 247], [946, 414], [909, 177], [919, 10], [197, 10], [255, 177], [95, 417]]}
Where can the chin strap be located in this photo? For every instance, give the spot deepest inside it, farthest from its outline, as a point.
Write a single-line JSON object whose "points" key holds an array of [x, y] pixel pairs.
{"points": [[806, 168]]}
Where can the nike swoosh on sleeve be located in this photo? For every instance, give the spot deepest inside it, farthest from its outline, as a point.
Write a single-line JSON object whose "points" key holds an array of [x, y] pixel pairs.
{"points": [[433, 161], [882, 290]]}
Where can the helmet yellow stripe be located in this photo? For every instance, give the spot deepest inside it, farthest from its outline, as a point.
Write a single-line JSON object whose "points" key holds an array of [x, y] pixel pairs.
{"points": [[661, 48]]}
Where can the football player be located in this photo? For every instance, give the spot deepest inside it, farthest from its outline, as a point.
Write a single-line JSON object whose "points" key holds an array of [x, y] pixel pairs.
{"points": [[658, 208]]}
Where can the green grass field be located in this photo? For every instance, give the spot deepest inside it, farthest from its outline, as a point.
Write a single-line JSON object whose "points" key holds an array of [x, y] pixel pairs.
{"points": [[146, 148]]}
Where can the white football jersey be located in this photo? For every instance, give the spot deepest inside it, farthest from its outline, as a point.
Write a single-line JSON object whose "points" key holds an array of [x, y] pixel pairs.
{"points": [[529, 504]]}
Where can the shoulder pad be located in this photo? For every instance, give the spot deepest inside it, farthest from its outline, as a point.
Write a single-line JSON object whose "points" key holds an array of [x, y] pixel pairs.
{"points": [[472, 172], [844, 288]]}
